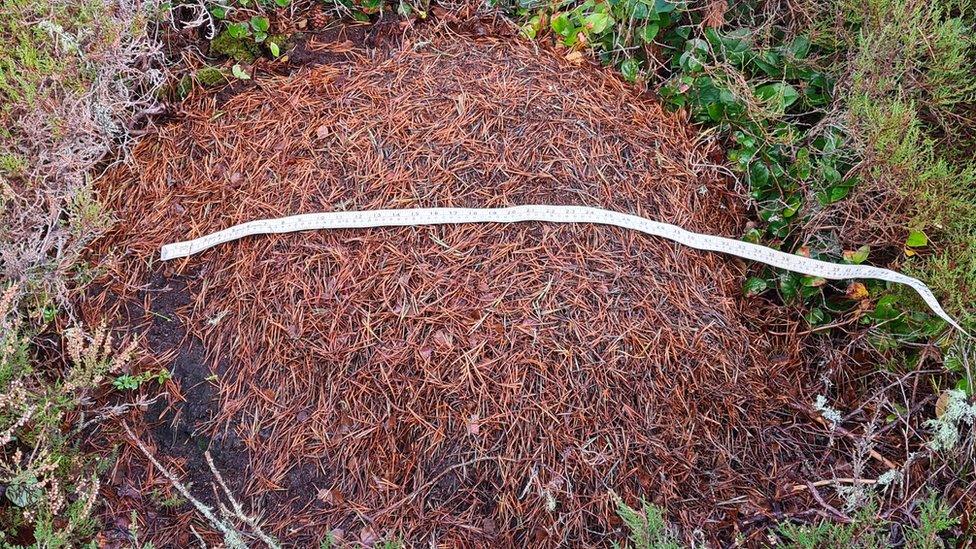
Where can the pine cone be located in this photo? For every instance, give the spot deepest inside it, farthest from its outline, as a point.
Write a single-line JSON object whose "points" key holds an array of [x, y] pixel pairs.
{"points": [[317, 17]]}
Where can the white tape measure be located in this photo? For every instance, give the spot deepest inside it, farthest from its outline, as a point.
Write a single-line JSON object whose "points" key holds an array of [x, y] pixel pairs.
{"points": [[552, 214]]}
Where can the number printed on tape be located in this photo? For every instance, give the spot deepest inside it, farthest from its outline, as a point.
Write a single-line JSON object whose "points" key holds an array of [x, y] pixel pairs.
{"points": [[553, 214]]}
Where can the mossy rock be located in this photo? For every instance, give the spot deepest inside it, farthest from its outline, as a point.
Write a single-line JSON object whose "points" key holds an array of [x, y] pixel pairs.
{"points": [[242, 50]]}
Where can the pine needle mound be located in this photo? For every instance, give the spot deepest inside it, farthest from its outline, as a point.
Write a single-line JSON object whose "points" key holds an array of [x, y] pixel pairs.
{"points": [[452, 384]]}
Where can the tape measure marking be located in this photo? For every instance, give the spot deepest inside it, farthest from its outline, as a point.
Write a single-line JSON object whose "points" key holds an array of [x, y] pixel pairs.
{"points": [[552, 214]]}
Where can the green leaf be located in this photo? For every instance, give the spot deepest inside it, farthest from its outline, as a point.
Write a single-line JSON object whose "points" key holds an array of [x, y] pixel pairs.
{"points": [[816, 316], [282, 3], [238, 72], [23, 494], [860, 255], [647, 33], [758, 174], [690, 63], [800, 46], [274, 49], [752, 235], [754, 286], [237, 30], [663, 6], [789, 285], [885, 309], [779, 95], [640, 12], [260, 23], [629, 68], [260, 36], [839, 192], [219, 12], [813, 281], [597, 22], [404, 9], [916, 239], [561, 25], [126, 382]]}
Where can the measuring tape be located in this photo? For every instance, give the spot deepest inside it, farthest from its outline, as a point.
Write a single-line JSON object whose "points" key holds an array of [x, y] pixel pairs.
{"points": [[552, 214]]}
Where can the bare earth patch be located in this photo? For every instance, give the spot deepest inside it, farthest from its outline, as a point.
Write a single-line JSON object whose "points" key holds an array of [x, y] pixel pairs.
{"points": [[458, 385]]}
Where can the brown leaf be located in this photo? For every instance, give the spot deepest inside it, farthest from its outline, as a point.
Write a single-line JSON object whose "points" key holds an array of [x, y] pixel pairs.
{"points": [[368, 537], [942, 404], [715, 14]]}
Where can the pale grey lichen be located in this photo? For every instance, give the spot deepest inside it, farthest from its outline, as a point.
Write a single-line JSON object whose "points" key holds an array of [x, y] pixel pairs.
{"points": [[828, 413], [945, 428]]}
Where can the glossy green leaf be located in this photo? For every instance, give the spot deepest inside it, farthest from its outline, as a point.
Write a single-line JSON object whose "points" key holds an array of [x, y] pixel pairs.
{"points": [[789, 285]]}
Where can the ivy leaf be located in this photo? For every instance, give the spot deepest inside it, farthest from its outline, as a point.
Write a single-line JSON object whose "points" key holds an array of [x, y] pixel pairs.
{"points": [[24, 493], [816, 316], [885, 309], [916, 239], [404, 9], [690, 63], [372, 6]]}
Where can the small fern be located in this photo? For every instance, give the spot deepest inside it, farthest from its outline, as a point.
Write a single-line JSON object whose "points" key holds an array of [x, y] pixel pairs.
{"points": [[868, 531], [647, 528]]}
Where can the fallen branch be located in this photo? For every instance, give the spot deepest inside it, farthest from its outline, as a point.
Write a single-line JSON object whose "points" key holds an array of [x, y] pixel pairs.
{"points": [[232, 537], [828, 482]]}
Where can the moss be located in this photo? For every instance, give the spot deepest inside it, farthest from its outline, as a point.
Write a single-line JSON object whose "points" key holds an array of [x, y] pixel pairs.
{"points": [[282, 40], [243, 50], [11, 164], [210, 76]]}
